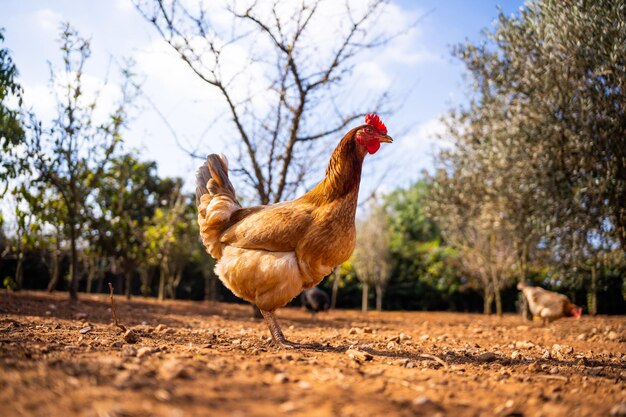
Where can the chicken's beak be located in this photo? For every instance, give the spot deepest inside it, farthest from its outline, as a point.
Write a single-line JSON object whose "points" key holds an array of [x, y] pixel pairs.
{"points": [[385, 139]]}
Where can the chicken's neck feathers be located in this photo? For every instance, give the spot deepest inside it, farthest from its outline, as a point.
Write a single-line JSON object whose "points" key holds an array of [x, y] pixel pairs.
{"points": [[343, 174]]}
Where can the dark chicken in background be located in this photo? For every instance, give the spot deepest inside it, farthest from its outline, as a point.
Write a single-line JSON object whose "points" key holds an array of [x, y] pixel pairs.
{"points": [[315, 300], [268, 254]]}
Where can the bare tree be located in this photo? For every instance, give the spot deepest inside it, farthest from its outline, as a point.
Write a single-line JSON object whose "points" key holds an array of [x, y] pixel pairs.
{"points": [[372, 255], [70, 156], [284, 87]]}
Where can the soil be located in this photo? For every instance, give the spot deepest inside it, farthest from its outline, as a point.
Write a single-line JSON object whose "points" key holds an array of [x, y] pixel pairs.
{"points": [[214, 359]]}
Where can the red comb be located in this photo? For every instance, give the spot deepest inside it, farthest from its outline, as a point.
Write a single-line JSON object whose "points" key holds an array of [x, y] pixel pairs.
{"points": [[374, 121]]}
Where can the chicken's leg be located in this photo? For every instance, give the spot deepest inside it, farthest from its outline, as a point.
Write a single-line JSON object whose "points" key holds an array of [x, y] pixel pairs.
{"points": [[277, 334]]}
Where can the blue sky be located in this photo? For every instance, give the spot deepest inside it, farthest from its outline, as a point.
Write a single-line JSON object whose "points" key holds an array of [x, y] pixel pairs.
{"points": [[432, 76]]}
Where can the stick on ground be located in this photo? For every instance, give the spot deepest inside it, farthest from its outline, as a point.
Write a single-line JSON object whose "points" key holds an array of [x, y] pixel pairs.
{"points": [[117, 323]]}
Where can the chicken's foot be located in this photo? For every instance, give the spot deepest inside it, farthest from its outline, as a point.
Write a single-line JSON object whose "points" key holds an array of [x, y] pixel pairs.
{"points": [[277, 334]]}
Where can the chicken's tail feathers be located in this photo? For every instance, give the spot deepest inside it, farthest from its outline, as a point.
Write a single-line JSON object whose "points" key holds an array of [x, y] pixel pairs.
{"points": [[212, 179], [216, 201]]}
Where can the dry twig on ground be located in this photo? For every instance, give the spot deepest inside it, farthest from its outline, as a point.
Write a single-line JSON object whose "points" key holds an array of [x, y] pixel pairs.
{"points": [[113, 309]]}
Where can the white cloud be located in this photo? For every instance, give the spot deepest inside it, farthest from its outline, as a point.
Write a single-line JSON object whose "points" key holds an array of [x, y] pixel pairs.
{"points": [[124, 6], [48, 20], [42, 100], [428, 137]]}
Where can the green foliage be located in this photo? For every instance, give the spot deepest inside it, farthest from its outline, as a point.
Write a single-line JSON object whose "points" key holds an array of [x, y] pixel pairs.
{"points": [[424, 275], [538, 170], [11, 129]]}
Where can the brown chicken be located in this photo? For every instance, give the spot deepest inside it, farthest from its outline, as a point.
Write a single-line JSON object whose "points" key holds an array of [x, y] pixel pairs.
{"points": [[268, 254], [547, 305]]}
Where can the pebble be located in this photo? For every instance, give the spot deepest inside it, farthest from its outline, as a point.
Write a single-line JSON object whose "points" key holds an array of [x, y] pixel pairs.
{"points": [[515, 354], [524, 345], [173, 369], [554, 370], [85, 330], [619, 410], [422, 400], [486, 357], [145, 351], [612, 335], [162, 395], [131, 336], [129, 351], [359, 355], [304, 385], [281, 378]]}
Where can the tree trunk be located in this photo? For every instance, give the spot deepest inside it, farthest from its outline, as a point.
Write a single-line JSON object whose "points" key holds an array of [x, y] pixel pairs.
{"points": [[498, 297], [487, 300], [161, 284], [379, 297], [55, 273], [523, 307], [593, 296], [91, 273], [335, 291], [364, 297], [73, 287], [19, 271], [128, 278], [210, 286]]}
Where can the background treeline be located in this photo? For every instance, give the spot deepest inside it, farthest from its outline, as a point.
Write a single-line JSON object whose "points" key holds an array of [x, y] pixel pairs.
{"points": [[530, 184]]}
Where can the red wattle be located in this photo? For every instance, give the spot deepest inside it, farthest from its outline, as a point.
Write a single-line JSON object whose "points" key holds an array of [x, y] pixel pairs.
{"points": [[372, 146]]}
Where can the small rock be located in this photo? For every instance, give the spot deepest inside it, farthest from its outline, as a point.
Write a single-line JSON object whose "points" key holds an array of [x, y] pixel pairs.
{"points": [[353, 330], [554, 370], [85, 330], [422, 400], [359, 355], [486, 357], [117, 344], [122, 378], [173, 369], [160, 327], [410, 364], [131, 336], [546, 355], [236, 341], [162, 395], [288, 407], [145, 351], [304, 385], [281, 378], [129, 351], [612, 335], [79, 316], [515, 354], [619, 410], [424, 337], [581, 336], [524, 345], [367, 330], [533, 367], [391, 345]]}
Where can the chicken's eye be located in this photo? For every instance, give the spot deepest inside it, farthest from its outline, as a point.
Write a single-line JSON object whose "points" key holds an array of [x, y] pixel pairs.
{"points": [[368, 129]]}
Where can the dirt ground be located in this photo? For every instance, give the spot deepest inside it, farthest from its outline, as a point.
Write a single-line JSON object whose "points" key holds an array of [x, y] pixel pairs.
{"points": [[199, 359]]}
